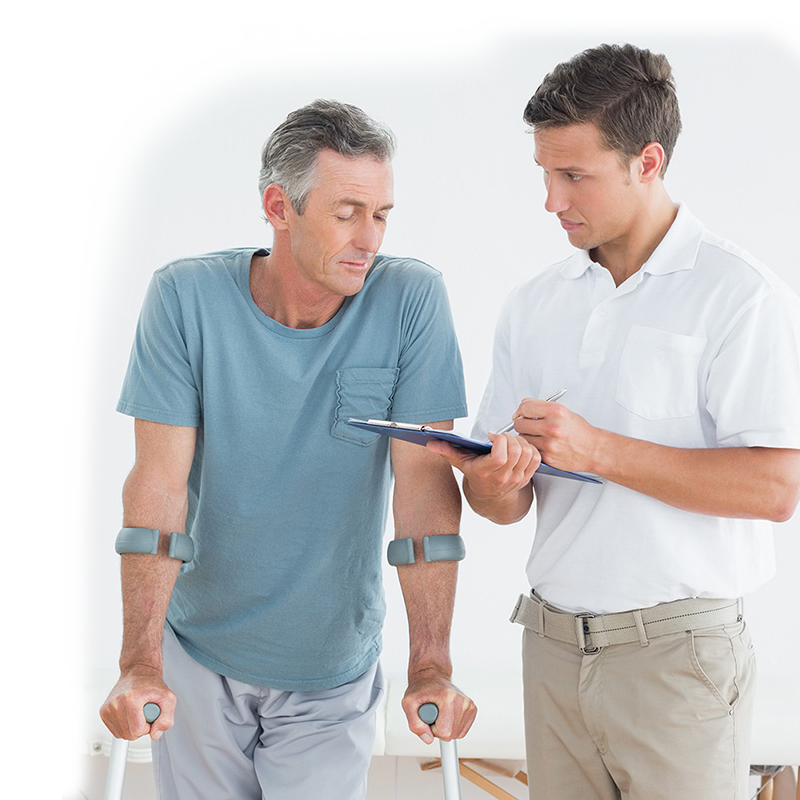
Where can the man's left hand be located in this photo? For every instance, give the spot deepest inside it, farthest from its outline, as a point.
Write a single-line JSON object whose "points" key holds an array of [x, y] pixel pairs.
{"points": [[456, 710]]}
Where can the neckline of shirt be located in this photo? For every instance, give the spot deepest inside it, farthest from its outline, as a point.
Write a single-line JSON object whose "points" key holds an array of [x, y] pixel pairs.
{"points": [[242, 274], [675, 252]]}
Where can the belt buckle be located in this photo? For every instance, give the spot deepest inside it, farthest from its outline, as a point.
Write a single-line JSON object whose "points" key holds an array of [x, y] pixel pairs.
{"points": [[581, 633]]}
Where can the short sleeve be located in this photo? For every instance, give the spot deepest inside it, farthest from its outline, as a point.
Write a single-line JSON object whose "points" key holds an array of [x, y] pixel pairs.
{"points": [[160, 384], [754, 381], [499, 398], [430, 386]]}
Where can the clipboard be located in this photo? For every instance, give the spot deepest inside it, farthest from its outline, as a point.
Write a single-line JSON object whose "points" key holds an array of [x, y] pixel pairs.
{"points": [[422, 434]]}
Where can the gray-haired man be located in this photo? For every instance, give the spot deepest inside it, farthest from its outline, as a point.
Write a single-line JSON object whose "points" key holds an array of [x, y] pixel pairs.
{"points": [[246, 366]]}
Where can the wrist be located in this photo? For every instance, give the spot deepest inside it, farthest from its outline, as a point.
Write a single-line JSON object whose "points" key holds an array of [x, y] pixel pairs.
{"points": [[495, 494], [141, 666], [601, 452], [442, 668], [509, 508]]}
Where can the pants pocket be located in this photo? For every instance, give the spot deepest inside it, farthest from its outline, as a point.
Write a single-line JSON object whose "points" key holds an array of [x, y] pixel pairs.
{"points": [[723, 660]]}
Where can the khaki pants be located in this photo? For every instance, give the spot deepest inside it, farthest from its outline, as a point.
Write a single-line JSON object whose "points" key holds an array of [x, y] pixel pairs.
{"points": [[665, 721]]}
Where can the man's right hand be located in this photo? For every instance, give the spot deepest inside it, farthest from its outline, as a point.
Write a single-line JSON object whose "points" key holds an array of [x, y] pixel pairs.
{"points": [[497, 485], [123, 712]]}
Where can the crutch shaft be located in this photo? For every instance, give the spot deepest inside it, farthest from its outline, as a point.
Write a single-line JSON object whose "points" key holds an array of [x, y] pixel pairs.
{"points": [[116, 769], [450, 770]]}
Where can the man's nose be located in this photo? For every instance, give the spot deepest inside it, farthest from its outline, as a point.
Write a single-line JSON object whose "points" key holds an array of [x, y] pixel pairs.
{"points": [[556, 199], [369, 236]]}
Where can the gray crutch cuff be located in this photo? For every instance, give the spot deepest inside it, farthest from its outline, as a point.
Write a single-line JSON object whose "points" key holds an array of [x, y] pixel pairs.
{"points": [[447, 547], [145, 540], [400, 552]]}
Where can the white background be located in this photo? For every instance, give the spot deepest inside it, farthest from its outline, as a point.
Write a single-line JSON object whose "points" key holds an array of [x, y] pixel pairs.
{"points": [[133, 138]]}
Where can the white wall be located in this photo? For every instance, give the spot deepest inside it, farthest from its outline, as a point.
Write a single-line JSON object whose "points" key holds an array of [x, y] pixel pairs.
{"points": [[148, 150]]}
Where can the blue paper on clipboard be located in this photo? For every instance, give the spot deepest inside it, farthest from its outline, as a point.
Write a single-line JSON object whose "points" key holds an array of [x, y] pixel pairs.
{"points": [[422, 434]]}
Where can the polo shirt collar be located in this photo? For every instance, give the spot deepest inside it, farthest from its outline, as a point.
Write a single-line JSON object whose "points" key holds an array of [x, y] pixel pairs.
{"points": [[676, 251]]}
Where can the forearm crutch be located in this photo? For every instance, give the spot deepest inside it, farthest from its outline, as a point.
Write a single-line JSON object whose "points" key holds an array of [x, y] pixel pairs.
{"points": [[119, 758], [429, 713]]}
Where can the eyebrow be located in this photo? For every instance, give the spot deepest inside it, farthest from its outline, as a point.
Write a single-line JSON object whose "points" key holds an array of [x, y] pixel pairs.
{"points": [[345, 201], [563, 169]]}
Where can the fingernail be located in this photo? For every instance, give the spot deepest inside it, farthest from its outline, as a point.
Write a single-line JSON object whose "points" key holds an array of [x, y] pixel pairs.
{"points": [[427, 738]]}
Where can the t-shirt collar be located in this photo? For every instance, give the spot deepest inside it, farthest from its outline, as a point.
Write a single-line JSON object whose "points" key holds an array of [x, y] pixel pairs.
{"points": [[676, 251]]}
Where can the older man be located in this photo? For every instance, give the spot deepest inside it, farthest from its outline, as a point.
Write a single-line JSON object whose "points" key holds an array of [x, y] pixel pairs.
{"points": [[246, 366]]}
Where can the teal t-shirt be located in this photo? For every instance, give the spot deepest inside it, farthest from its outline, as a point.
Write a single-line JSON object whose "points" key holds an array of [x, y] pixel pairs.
{"points": [[287, 503]]}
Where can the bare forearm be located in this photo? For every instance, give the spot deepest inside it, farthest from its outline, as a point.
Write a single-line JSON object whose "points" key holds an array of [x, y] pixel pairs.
{"points": [[147, 580], [429, 594], [429, 587], [154, 496], [742, 482], [426, 503]]}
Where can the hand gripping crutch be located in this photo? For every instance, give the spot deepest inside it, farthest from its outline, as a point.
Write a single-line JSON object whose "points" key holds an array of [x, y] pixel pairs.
{"points": [[119, 757], [428, 713]]}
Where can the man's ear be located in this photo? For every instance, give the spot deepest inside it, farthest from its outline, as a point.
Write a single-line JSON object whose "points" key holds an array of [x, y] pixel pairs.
{"points": [[651, 162], [276, 204]]}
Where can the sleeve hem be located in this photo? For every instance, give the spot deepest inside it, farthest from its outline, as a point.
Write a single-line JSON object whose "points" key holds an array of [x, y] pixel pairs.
{"points": [[761, 440], [158, 415]]}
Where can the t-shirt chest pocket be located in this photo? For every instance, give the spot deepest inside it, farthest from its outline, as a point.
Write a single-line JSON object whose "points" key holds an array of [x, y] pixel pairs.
{"points": [[363, 393], [658, 374]]}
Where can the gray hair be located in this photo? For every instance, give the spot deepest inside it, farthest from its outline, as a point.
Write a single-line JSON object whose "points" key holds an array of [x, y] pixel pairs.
{"points": [[289, 157]]}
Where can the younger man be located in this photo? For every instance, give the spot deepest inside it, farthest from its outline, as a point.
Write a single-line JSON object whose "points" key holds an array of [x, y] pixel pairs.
{"points": [[681, 357]]}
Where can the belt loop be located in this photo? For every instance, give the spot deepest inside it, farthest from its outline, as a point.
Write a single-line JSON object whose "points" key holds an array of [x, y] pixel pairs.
{"points": [[639, 622], [541, 619], [516, 613]]}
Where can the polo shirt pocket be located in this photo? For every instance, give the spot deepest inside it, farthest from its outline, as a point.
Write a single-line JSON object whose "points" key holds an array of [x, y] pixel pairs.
{"points": [[363, 393], [658, 374]]}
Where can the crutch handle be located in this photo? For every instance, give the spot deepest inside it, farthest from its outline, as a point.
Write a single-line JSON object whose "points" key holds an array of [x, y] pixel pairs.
{"points": [[119, 757], [152, 711], [429, 713]]}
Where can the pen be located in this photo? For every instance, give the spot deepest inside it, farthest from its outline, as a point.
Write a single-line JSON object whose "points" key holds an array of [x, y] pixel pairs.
{"points": [[553, 397]]}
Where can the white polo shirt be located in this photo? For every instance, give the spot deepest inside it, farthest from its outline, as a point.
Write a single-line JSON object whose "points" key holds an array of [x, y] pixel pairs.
{"points": [[700, 348]]}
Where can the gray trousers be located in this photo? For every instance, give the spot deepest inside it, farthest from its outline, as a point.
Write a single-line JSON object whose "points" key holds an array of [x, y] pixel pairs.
{"points": [[240, 742]]}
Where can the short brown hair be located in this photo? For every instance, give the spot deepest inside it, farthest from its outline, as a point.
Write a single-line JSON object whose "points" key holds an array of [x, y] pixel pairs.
{"points": [[627, 92]]}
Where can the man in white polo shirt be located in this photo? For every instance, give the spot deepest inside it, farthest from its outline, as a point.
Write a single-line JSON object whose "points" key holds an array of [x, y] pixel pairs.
{"points": [[681, 357]]}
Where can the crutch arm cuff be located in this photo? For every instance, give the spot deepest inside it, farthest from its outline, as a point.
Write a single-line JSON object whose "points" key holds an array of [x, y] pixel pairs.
{"points": [[446, 547], [145, 540], [181, 546], [137, 540], [400, 552]]}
